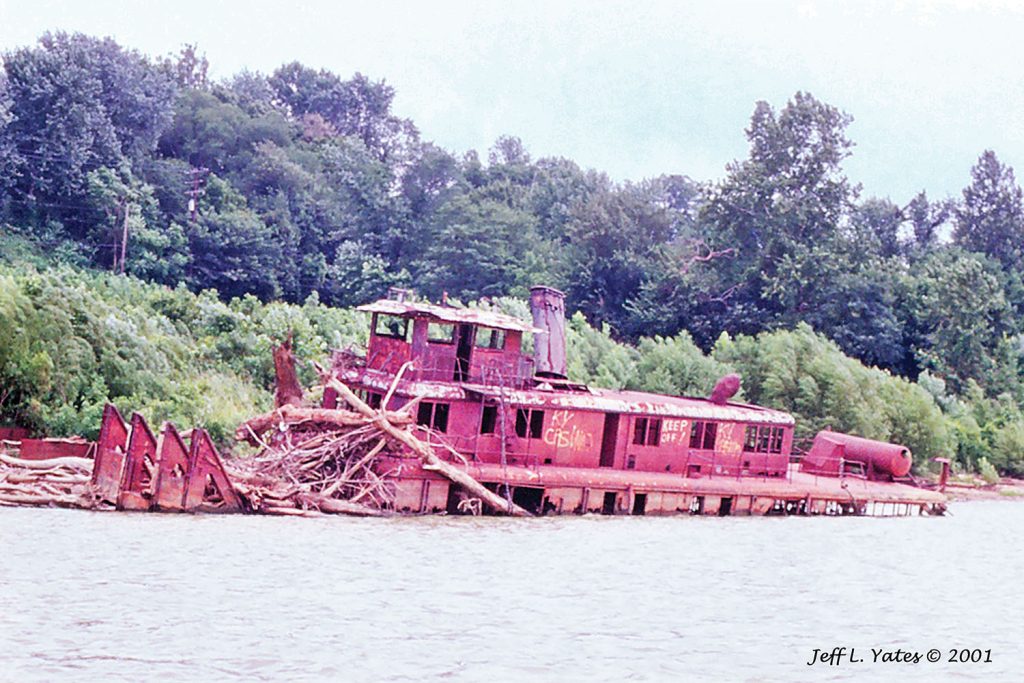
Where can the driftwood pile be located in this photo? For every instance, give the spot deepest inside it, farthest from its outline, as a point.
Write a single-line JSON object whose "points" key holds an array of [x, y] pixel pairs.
{"points": [[327, 460], [314, 459], [58, 481]]}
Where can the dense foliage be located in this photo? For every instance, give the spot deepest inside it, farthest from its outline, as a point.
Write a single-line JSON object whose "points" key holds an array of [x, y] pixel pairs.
{"points": [[297, 194]]}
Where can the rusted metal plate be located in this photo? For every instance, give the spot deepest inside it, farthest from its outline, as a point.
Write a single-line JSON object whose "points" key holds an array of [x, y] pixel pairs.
{"points": [[172, 470], [14, 433], [110, 455], [140, 466], [208, 488]]}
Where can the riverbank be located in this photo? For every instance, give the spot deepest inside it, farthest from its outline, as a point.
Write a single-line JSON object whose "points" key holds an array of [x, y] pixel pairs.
{"points": [[977, 489]]}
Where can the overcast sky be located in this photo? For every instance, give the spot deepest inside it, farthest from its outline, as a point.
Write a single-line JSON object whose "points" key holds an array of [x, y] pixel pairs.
{"points": [[634, 89]]}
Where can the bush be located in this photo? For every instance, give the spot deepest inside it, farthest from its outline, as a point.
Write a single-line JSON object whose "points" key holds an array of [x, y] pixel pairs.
{"points": [[75, 340], [988, 471]]}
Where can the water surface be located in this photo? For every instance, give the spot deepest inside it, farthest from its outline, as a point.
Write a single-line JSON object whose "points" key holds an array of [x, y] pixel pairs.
{"points": [[122, 597]]}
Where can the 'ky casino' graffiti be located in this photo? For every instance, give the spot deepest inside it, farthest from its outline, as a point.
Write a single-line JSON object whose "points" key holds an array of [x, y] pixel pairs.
{"points": [[563, 434]]}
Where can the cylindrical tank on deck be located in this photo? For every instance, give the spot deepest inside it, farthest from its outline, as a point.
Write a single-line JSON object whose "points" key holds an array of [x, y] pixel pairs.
{"points": [[548, 308], [883, 458]]}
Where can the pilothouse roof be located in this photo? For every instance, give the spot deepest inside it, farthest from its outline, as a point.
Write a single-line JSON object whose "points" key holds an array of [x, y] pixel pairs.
{"points": [[448, 314]]}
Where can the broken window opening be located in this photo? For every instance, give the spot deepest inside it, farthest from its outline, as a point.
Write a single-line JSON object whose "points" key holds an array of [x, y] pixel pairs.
{"points": [[370, 398], [639, 503], [697, 505], [440, 333], [391, 326], [647, 431], [528, 498], [640, 431], [490, 338], [610, 500], [488, 419], [433, 415], [703, 435], [763, 439], [529, 423]]}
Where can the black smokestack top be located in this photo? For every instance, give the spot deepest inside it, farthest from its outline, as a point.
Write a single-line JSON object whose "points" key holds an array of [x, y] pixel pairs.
{"points": [[548, 308]]}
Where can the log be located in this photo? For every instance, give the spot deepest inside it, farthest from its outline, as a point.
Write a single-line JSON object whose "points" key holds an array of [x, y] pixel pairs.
{"points": [[338, 507], [291, 512], [295, 414], [66, 461], [428, 457], [32, 499], [40, 478]]}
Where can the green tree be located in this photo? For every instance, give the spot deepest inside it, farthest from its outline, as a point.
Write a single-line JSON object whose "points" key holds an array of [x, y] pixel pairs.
{"points": [[781, 210], [959, 316], [476, 248], [990, 220]]}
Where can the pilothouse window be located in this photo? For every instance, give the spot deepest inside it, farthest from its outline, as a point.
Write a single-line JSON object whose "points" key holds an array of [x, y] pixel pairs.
{"points": [[391, 326], [490, 338], [440, 333]]}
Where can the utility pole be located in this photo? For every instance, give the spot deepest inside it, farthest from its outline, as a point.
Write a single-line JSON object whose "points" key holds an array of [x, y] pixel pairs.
{"points": [[124, 234], [197, 175]]}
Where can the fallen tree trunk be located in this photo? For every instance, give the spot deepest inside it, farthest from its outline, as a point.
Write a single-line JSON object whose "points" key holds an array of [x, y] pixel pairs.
{"points": [[252, 428], [427, 456], [49, 464], [337, 507], [42, 500]]}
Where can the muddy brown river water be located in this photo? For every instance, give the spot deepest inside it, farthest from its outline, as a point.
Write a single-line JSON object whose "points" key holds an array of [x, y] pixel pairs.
{"points": [[126, 597]]}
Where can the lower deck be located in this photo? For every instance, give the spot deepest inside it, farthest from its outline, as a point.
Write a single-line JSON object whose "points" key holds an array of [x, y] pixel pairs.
{"points": [[569, 490]]}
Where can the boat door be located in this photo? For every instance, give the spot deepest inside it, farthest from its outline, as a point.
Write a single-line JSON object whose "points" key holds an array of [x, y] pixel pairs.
{"points": [[609, 439], [463, 352]]}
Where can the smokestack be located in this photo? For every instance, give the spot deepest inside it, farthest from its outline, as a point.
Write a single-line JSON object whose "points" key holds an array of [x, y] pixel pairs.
{"points": [[548, 308], [725, 388]]}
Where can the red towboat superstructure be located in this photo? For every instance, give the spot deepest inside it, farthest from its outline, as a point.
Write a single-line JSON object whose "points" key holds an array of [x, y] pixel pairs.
{"points": [[515, 422]]}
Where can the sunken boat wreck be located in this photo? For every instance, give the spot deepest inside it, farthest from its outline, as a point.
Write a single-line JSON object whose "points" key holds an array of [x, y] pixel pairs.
{"points": [[444, 413], [518, 425]]}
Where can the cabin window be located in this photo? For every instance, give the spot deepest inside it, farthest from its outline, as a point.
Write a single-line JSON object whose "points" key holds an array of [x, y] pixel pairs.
{"points": [[647, 431], [488, 419], [529, 423], [763, 439], [440, 333], [433, 415], [370, 398], [703, 434], [391, 326], [490, 338]]}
